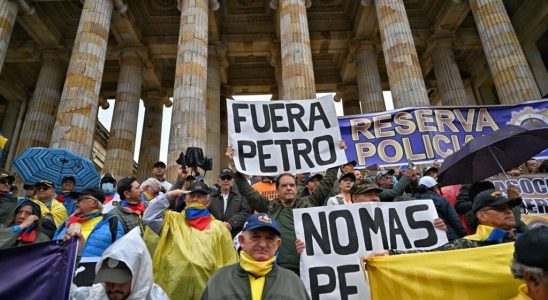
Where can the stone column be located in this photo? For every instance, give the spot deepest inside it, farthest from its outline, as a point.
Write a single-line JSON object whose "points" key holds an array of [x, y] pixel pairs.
{"points": [[469, 91], [402, 63], [349, 94], [40, 118], [368, 78], [447, 73], [298, 73], [213, 111], [8, 12], [15, 137], [188, 121], [121, 141], [511, 73], [152, 132], [77, 114], [10, 118], [275, 61]]}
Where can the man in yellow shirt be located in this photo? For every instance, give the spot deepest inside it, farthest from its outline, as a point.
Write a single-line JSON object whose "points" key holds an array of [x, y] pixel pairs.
{"points": [[256, 276], [52, 210]]}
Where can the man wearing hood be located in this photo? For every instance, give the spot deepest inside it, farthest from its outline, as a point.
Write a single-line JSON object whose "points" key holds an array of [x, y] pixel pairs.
{"points": [[123, 272]]}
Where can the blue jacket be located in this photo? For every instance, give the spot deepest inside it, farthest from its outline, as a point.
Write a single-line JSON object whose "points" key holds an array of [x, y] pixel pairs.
{"points": [[100, 237], [447, 213]]}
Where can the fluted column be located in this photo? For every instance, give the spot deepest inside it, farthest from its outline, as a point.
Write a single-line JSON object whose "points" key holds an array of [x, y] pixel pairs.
{"points": [[447, 73], [41, 111], [152, 132], [213, 110], [188, 121], [368, 78], [298, 73], [121, 141], [10, 118], [402, 63], [275, 61], [8, 13], [511, 73], [77, 114]]}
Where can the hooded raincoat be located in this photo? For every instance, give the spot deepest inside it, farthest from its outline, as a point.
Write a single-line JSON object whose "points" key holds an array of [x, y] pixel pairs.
{"points": [[132, 251]]}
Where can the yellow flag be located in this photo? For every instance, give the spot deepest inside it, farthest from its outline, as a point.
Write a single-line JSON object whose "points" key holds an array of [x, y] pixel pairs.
{"points": [[3, 141], [475, 273]]}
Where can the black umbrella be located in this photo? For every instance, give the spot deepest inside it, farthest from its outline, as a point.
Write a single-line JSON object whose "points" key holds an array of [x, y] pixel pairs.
{"points": [[491, 154]]}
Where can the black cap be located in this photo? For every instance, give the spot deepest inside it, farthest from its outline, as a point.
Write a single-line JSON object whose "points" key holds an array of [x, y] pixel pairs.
{"points": [[531, 248], [226, 173], [351, 162], [108, 178], [348, 175], [312, 176], [6, 175], [159, 164], [94, 192], [27, 186], [46, 183], [389, 172], [66, 178], [492, 198], [199, 187], [431, 169]]}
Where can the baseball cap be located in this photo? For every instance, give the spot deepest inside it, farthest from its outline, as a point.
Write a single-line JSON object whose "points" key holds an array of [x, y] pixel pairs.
{"points": [[351, 162], [159, 164], [263, 220], [27, 186], [113, 270], [199, 187], [492, 197], [363, 186], [46, 183], [530, 248], [431, 169], [348, 175], [381, 174], [226, 173], [6, 175], [312, 176], [66, 178], [94, 192], [428, 181]]}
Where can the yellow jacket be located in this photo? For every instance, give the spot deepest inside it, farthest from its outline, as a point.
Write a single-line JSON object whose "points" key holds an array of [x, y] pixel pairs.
{"points": [[186, 257], [522, 293]]}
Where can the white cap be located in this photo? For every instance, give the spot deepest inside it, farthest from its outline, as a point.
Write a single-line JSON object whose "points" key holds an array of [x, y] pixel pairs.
{"points": [[428, 181]]}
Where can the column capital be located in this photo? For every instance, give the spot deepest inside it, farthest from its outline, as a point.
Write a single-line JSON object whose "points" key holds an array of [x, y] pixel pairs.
{"points": [[214, 5], [56, 53], [445, 40], [274, 53], [227, 91], [103, 103], [274, 3], [156, 95], [346, 91]]}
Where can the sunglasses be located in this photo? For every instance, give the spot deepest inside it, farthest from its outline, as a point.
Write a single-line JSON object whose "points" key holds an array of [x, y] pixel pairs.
{"points": [[4, 181], [226, 178], [43, 188]]}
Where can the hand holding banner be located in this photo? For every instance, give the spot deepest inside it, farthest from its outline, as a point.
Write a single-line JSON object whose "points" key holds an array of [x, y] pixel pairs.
{"points": [[273, 137]]}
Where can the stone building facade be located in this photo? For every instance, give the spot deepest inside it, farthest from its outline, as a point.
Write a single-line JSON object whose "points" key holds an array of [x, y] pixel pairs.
{"points": [[61, 60]]}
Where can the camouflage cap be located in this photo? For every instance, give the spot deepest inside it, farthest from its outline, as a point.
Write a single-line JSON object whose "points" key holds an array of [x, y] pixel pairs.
{"points": [[363, 186]]}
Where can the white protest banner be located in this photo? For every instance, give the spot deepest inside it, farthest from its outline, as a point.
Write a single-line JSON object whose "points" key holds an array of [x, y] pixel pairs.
{"points": [[273, 137], [336, 237]]}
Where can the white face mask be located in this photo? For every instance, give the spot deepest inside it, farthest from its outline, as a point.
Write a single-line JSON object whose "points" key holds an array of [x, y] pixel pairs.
{"points": [[107, 187]]}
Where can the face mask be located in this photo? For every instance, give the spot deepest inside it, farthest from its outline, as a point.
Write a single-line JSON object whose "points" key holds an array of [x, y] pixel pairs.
{"points": [[107, 187]]}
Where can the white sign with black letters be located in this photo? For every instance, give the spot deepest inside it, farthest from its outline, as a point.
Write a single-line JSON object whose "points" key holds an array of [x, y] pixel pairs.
{"points": [[336, 237], [273, 137]]}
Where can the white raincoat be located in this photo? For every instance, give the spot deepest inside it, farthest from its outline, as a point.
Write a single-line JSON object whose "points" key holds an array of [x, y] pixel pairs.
{"points": [[133, 252]]}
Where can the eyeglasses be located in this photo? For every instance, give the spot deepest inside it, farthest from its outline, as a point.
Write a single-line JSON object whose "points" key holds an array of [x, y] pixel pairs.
{"points": [[4, 181], [226, 178], [500, 208]]}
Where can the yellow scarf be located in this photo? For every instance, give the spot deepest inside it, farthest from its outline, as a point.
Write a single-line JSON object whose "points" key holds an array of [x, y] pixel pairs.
{"points": [[256, 270]]}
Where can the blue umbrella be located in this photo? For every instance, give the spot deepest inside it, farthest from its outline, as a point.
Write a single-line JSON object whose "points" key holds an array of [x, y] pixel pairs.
{"points": [[52, 164]]}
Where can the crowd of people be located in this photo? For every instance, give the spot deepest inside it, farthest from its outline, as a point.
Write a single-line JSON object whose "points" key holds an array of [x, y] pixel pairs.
{"points": [[235, 238]]}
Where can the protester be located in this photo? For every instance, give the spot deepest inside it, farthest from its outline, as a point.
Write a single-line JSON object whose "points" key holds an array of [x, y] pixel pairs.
{"points": [[30, 191], [8, 202], [530, 263], [259, 241], [365, 190], [192, 244], [67, 196], [346, 181], [543, 168], [130, 209], [108, 185], [150, 189], [429, 189], [53, 212], [123, 272], [432, 172], [532, 166], [348, 167], [390, 191], [24, 228], [98, 230], [494, 212], [266, 187], [282, 207], [310, 183], [227, 204], [159, 172], [358, 174]]}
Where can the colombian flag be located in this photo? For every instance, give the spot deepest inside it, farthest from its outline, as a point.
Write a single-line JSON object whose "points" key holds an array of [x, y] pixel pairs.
{"points": [[474, 273]]}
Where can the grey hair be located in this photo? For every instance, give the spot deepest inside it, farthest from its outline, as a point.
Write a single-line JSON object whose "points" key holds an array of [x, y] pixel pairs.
{"points": [[150, 182], [518, 270]]}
